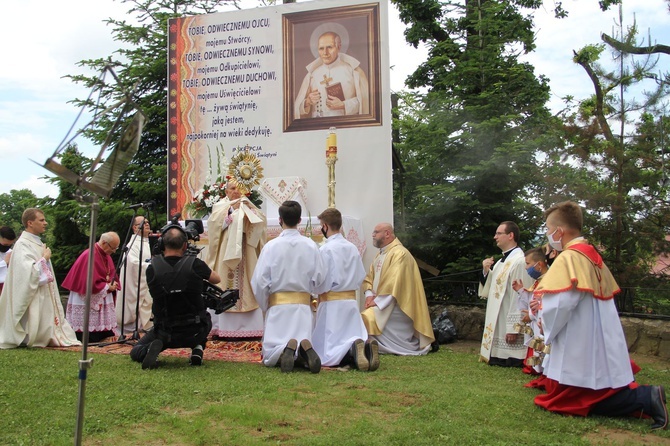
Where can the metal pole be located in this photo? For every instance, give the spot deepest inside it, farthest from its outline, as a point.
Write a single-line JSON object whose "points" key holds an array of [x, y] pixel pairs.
{"points": [[85, 363]]}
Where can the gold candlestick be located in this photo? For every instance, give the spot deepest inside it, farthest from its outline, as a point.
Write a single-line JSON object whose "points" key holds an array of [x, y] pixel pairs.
{"points": [[331, 159]]}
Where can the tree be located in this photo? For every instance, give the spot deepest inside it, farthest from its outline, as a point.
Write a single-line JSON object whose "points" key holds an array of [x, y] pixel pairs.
{"points": [[616, 136], [13, 204], [469, 142], [141, 61]]}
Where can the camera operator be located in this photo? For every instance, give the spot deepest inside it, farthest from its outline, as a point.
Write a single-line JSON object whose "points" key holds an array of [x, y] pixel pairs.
{"points": [[180, 316]]}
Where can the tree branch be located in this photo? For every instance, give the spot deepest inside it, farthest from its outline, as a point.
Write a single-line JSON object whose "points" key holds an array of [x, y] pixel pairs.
{"points": [[630, 49], [600, 97]]}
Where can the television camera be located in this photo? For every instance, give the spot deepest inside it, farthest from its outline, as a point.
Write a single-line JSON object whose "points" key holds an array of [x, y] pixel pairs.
{"points": [[217, 299], [192, 229]]}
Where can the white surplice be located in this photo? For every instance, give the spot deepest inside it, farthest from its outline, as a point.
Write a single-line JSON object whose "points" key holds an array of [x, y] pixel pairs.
{"points": [[290, 263], [339, 322], [31, 312], [588, 346], [502, 310], [131, 269]]}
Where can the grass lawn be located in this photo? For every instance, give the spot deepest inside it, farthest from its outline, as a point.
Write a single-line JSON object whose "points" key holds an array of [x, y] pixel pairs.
{"points": [[444, 398]]}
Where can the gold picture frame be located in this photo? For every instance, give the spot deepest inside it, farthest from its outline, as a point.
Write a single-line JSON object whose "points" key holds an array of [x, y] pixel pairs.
{"points": [[359, 25]]}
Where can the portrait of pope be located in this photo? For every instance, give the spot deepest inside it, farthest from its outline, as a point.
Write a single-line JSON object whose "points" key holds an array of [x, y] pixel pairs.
{"points": [[334, 84]]}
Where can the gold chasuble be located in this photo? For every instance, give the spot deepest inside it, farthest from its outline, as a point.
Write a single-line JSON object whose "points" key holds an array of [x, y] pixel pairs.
{"points": [[233, 252], [579, 267], [401, 279]]}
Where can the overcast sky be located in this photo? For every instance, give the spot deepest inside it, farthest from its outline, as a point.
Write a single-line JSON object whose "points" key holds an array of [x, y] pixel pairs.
{"points": [[44, 40]]}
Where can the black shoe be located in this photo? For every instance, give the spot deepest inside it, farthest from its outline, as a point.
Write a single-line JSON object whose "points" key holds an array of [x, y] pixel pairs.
{"points": [[155, 348], [286, 360], [659, 409], [196, 356], [308, 354], [372, 354], [357, 353]]}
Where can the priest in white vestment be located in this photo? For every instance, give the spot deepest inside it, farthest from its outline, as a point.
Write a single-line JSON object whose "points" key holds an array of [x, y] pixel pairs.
{"points": [[133, 275], [339, 332], [588, 369], [288, 273], [396, 311], [501, 344], [31, 312], [336, 73], [237, 231]]}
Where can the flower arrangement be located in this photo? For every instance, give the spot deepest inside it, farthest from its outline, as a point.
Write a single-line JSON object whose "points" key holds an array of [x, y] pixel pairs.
{"points": [[213, 190], [245, 170]]}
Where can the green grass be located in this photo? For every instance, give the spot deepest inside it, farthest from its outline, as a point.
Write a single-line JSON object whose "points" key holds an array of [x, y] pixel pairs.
{"points": [[443, 398]]}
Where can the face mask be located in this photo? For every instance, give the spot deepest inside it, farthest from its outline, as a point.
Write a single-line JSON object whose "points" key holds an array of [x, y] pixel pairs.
{"points": [[556, 244], [532, 272], [324, 232], [549, 259], [4, 248]]}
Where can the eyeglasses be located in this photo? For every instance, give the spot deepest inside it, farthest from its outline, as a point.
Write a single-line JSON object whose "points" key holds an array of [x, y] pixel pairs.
{"points": [[112, 247], [502, 233]]}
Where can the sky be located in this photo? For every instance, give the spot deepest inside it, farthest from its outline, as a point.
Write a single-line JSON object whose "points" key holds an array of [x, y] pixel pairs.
{"points": [[44, 41]]}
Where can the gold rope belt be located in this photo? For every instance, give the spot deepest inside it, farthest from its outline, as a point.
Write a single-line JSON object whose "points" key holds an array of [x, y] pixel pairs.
{"points": [[337, 295], [288, 297]]}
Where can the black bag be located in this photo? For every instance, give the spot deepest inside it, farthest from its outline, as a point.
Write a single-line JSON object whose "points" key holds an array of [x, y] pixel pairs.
{"points": [[444, 329]]}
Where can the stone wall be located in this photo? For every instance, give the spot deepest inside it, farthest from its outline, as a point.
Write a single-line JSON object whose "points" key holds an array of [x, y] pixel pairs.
{"points": [[645, 336]]}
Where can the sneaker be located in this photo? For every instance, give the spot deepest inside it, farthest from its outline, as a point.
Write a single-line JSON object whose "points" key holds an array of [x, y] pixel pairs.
{"points": [[357, 353], [287, 360], [155, 348], [372, 354], [310, 356], [196, 356]]}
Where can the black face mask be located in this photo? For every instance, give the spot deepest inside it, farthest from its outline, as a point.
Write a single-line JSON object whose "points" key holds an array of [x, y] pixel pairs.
{"points": [[549, 260], [324, 232], [4, 248]]}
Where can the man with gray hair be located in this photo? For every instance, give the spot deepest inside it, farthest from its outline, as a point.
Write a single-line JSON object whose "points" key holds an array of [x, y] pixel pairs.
{"points": [[102, 315], [335, 84]]}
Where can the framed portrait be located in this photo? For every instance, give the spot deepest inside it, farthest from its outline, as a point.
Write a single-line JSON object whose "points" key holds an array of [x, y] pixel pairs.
{"points": [[332, 68]]}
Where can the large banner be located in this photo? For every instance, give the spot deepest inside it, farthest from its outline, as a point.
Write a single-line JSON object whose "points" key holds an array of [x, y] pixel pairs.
{"points": [[275, 82]]}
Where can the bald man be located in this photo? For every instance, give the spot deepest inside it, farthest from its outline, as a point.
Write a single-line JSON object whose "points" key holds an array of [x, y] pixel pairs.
{"points": [[102, 316], [396, 312]]}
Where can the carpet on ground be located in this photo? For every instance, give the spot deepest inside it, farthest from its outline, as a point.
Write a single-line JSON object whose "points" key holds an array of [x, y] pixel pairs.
{"points": [[218, 350]]}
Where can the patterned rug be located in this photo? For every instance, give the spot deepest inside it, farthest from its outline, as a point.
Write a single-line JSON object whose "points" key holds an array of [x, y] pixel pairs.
{"points": [[218, 350]]}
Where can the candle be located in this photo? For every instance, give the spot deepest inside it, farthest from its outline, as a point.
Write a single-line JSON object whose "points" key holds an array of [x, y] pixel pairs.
{"points": [[331, 143]]}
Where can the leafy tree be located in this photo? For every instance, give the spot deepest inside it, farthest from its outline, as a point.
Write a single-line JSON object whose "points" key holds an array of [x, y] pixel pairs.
{"points": [[141, 63], [469, 142], [616, 137], [13, 204]]}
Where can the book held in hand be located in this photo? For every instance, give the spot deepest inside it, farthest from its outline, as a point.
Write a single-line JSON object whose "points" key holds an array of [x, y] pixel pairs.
{"points": [[335, 90]]}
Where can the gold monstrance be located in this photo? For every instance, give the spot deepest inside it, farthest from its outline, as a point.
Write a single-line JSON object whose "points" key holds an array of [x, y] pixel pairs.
{"points": [[331, 159]]}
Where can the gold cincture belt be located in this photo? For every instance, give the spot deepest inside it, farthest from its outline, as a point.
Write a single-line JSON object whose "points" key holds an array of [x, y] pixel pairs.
{"points": [[337, 295], [289, 297]]}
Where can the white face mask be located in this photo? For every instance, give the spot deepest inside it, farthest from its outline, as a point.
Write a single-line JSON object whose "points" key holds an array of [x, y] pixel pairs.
{"points": [[556, 244]]}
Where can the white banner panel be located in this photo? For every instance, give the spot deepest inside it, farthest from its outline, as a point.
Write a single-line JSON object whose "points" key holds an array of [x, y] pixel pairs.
{"points": [[272, 81]]}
